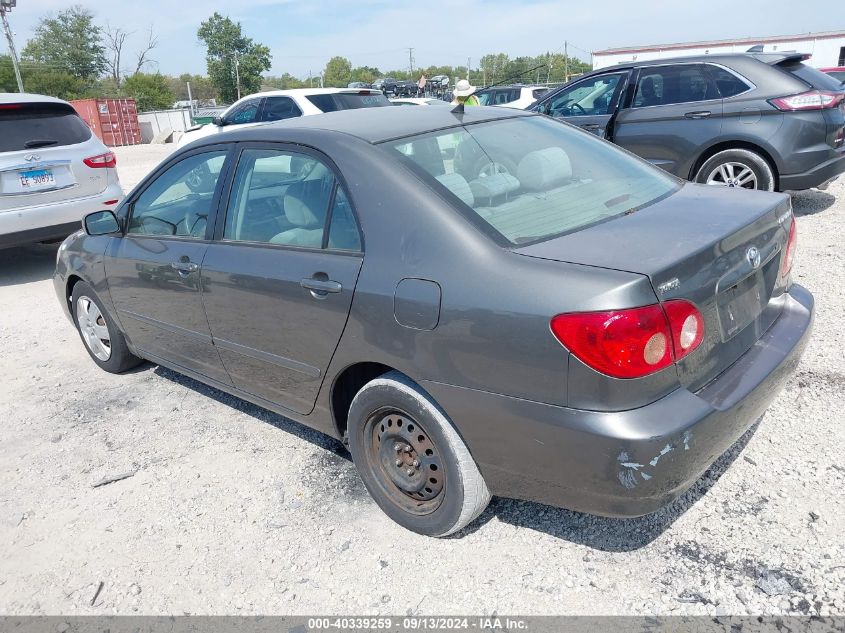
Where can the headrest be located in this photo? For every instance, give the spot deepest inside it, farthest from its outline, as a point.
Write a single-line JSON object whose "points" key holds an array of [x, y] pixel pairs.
{"points": [[458, 185], [297, 211], [492, 186], [543, 169]]}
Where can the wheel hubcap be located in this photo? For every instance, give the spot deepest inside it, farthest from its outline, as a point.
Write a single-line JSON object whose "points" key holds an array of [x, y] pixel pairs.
{"points": [[407, 461], [733, 175], [93, 327]]}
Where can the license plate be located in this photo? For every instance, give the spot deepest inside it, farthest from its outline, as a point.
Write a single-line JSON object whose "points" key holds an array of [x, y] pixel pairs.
{"points": [[36, 178], [740, 305]]}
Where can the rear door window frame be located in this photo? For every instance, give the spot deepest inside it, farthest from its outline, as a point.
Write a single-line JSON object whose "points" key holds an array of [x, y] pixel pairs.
{"points": [[640, 70], [226, 194]]}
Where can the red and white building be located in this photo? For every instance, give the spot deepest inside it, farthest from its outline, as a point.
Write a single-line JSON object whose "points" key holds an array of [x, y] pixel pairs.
{"points": [[827, 49]]}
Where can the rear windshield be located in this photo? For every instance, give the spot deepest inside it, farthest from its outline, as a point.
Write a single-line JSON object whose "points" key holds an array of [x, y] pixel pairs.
{"points": [[33, 125], [532, 178], [816, 78], [343, 101]]}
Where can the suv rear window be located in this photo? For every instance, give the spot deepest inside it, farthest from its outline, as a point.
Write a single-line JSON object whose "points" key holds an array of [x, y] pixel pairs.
{"points": [[816, 78], [529, 179], [348, 101], [32, 125]]}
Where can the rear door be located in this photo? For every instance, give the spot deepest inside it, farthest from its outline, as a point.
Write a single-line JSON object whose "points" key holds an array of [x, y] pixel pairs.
{"points": [[42, 149], [279, 279], [154, 269], [676, 112], [589, 103]]}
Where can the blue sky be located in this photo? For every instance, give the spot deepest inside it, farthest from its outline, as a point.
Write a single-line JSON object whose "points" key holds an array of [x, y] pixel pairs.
{"points": [[304, 34]]}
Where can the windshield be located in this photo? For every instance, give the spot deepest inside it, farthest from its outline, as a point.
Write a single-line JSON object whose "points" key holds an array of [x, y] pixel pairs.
{"points": [[348, 101], [533, 178]]}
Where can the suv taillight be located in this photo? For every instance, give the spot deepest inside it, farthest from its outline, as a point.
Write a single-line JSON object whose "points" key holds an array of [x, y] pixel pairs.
{"points": [[101, 160], [789, 251], [810, 100], [631, 343]]}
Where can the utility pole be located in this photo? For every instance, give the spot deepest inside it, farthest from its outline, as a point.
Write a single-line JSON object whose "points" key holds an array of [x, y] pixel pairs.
{"points": [[6, 7], [411, 60], [190, 101], [469, 59], [565, 60], [238, 74]]}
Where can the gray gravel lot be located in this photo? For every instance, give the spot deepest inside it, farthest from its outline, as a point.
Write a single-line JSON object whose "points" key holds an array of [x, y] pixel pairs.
{"points": [[234, 510]]}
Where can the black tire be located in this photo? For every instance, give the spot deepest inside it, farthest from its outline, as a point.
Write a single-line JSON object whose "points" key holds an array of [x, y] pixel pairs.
{"points": [[120, 358], [442, 458], [734, 160]]}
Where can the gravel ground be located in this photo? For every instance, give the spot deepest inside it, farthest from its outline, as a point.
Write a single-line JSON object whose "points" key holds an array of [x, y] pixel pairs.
{"points": [[234, 510]]}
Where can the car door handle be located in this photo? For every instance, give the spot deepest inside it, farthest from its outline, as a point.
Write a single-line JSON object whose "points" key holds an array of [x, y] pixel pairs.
{"points": [[701, 114], [591, 126], [184, 268], [321, 285]]}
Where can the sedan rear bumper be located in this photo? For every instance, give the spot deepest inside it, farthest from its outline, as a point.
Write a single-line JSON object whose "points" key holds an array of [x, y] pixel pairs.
{"points": [[626, 463]]}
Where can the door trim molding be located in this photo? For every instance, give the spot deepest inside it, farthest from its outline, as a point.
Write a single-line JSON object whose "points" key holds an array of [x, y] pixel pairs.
{"points": [[267, 357], [205, 338]]}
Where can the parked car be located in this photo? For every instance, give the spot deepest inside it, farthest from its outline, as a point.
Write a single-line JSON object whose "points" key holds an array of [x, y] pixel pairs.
{"points": [[837, 73], [417, 101], [277, 105], [756, 121], [53, 170], [351, 279], [511, 96], [388, 85]]}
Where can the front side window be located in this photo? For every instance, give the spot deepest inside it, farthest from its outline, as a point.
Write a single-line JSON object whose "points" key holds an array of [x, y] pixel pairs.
{"points": [[532, 178], [179, 201], [591, 97], [283, 197], [667, 85], [246, 112]]}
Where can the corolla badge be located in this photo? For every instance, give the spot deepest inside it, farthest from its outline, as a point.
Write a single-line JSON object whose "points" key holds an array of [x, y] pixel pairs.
{"points": [[32, 157], [753, 257]]}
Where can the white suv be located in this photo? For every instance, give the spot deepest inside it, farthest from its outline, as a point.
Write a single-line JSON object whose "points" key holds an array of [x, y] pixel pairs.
{"points": [[277, 105], [53, 170]]}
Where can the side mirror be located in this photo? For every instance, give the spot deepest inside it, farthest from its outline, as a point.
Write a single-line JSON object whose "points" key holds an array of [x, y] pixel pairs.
{"points": [[100, 223], [218, 121]]}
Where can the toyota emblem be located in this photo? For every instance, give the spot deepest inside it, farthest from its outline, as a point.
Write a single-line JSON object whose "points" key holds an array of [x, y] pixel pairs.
{"points": [[753, 257]]}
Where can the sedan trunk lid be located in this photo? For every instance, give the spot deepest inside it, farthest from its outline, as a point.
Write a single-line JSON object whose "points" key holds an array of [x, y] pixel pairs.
{"points": [[722, 252]]}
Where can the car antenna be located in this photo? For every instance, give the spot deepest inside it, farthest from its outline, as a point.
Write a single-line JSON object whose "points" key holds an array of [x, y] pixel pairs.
{"points": [[459, 109]]}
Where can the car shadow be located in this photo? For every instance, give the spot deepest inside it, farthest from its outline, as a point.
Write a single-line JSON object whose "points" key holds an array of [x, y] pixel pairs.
{"points": [[811, 202], [604, 533], [599, 533], [25, 264]]}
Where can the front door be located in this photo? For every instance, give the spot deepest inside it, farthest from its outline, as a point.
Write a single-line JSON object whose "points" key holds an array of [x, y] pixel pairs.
{"points": [[154, 270], [589, 103], [279, 281], [676, 112]]}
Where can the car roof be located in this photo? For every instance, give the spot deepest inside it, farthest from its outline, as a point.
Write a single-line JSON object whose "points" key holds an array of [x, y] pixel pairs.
{"points": [[767, 58], [28, 97], [375, 125]]}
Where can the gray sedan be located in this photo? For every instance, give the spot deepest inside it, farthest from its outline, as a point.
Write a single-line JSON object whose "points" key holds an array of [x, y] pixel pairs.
{"points": [[488, 302]]}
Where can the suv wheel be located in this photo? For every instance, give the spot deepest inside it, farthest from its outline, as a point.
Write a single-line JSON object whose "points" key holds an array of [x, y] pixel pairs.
{"points": [[103, 341], [412, 460], [740, 168]]}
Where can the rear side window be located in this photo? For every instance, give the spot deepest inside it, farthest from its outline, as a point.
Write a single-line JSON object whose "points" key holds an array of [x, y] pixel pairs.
{"points": [[344, 101], [279, 108], [33, 125], [667, 85], [728, 84], [816, 78], [539, 92], [838, 75]]}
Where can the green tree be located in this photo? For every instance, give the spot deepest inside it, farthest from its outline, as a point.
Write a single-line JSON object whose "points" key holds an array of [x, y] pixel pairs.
{"points": [[7, 75], [228, 47], [202, 89], [338, 72], [68, 42], [367, 74], [286, 81], [150, 91], [46, 80]]}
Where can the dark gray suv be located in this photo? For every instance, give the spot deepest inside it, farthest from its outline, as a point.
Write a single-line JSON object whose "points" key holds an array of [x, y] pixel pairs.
{"points": [[755, 120]]}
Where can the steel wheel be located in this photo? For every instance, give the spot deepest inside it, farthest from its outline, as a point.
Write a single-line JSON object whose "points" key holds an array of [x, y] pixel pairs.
{"points": [[406, 461], [733, 174], [93, 327]]}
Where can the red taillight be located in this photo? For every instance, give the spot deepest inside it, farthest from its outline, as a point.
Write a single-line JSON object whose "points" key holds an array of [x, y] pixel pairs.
{"points": [[10, 106], [789, 251], [810, 100], [101, 160], [631, 343]]}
